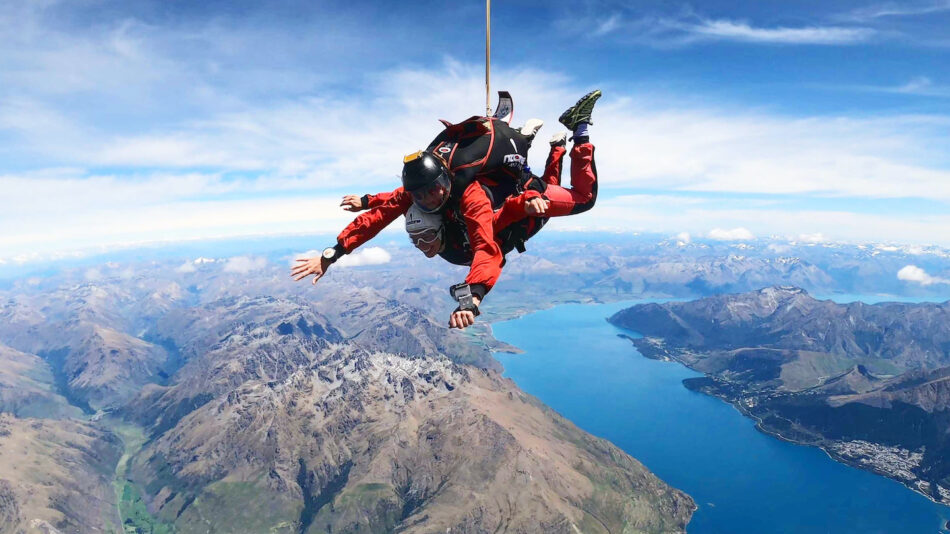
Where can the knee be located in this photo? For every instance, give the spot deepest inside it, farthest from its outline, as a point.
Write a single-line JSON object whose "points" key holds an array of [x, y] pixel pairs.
{"points": [[581, 207], [587, 203]]}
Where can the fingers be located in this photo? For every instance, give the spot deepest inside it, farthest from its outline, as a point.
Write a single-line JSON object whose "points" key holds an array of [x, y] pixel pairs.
{"points": [[352, 203], [461, 319], [537, 206], [300, 276], [302, 270]]}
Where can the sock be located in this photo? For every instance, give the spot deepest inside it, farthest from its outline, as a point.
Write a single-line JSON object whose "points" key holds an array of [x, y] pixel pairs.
{"points": [[581, 134]]}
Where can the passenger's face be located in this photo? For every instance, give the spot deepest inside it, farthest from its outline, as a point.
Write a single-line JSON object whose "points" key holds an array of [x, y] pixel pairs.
{"points": [[429, 242]]}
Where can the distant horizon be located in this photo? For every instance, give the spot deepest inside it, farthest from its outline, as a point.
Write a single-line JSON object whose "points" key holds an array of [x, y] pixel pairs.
{"points": [[923, 269]]}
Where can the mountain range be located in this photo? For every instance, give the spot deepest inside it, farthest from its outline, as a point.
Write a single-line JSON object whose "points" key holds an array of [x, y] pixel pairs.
{"points": [[870, 384], [197, 399]]}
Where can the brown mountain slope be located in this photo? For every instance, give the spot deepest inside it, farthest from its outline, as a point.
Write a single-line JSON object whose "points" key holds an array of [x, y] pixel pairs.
{"points": [[372, 442], [56, 473], [27, 387]]}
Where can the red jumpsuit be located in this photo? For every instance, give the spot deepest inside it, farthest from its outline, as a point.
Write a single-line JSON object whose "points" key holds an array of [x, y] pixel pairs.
{"points": [[579, 198], [475, 209]]}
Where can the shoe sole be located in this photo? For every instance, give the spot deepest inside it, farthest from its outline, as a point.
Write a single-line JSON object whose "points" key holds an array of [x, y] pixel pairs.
{"points": [[584, 106]]}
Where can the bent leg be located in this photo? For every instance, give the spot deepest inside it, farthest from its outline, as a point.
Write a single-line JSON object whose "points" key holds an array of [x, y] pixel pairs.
{"points": [[552, 169], [583, 192]]}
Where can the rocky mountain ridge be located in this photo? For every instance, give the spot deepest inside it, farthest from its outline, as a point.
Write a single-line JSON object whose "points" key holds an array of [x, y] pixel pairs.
{"points": [[263, 410]]}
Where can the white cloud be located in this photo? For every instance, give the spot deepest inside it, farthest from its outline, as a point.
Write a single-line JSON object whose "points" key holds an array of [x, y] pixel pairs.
{"points": [[92, 275], [741, 31], [648, 213], [812, 238], [917, 86], [608, 25], [244, 264], [923, 86], [735, 234], [187, 267], [683, 238], [367, 256], [912, 273], [895, 9]]}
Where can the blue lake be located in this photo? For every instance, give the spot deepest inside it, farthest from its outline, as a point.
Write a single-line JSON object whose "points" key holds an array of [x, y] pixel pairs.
{"points": [[742, 480]]}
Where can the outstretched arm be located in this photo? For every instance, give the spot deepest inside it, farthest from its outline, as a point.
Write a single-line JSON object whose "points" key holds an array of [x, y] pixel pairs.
{"points": [[356, 203], [366, 225], [486, 255], [361, 230]]}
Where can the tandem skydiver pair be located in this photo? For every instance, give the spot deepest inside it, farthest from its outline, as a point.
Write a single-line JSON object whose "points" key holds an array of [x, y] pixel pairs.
{"points": [[470, 198]]}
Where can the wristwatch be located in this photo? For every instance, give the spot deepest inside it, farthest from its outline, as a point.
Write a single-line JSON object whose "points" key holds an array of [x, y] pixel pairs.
{"points": [[462, 293], [333, 253]]}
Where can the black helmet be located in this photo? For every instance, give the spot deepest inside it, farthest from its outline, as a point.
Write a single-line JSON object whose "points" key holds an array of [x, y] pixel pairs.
{"points": [[427, 178]]}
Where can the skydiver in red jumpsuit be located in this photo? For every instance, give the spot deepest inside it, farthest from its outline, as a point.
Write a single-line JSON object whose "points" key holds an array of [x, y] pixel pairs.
{"points": [[459, 175]]}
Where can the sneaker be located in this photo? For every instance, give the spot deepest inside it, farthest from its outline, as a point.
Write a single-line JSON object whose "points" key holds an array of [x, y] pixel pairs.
{"points": [[559, 139], [531, 127], [580, 112]]}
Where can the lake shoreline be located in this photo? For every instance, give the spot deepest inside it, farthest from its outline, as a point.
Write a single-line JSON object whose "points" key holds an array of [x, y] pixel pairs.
{"points": [[825, 445]]}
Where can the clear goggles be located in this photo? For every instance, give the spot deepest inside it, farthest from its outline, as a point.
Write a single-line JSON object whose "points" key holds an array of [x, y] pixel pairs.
{"points": [[426, 237], [433, 196]]}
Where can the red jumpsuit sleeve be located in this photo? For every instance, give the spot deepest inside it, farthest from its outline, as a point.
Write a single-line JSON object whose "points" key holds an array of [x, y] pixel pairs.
{"points": [[513, 210], [377, 200], [486, 255], [368, 224]]}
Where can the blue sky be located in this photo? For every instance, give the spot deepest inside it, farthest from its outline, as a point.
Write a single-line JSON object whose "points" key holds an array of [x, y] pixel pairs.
{"points": [[130, 122]]}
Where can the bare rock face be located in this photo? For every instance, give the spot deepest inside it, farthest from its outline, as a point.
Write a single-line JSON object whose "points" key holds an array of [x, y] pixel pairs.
{"points": [[56, 473], [372, 442]]}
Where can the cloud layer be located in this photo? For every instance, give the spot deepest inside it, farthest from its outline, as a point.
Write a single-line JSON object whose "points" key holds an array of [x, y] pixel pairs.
{"points": [[912, 273], [142, 128]]}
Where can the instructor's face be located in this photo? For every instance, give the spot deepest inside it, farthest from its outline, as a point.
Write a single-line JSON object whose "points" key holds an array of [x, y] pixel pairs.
{"points": [[431, 198]]}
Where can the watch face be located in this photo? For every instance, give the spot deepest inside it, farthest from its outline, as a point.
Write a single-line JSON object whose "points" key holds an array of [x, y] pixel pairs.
{"points": [[329, 253]]}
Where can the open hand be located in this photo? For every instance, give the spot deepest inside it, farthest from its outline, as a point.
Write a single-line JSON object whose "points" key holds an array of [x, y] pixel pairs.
{"points": [[352, 203], [317, 266]]}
